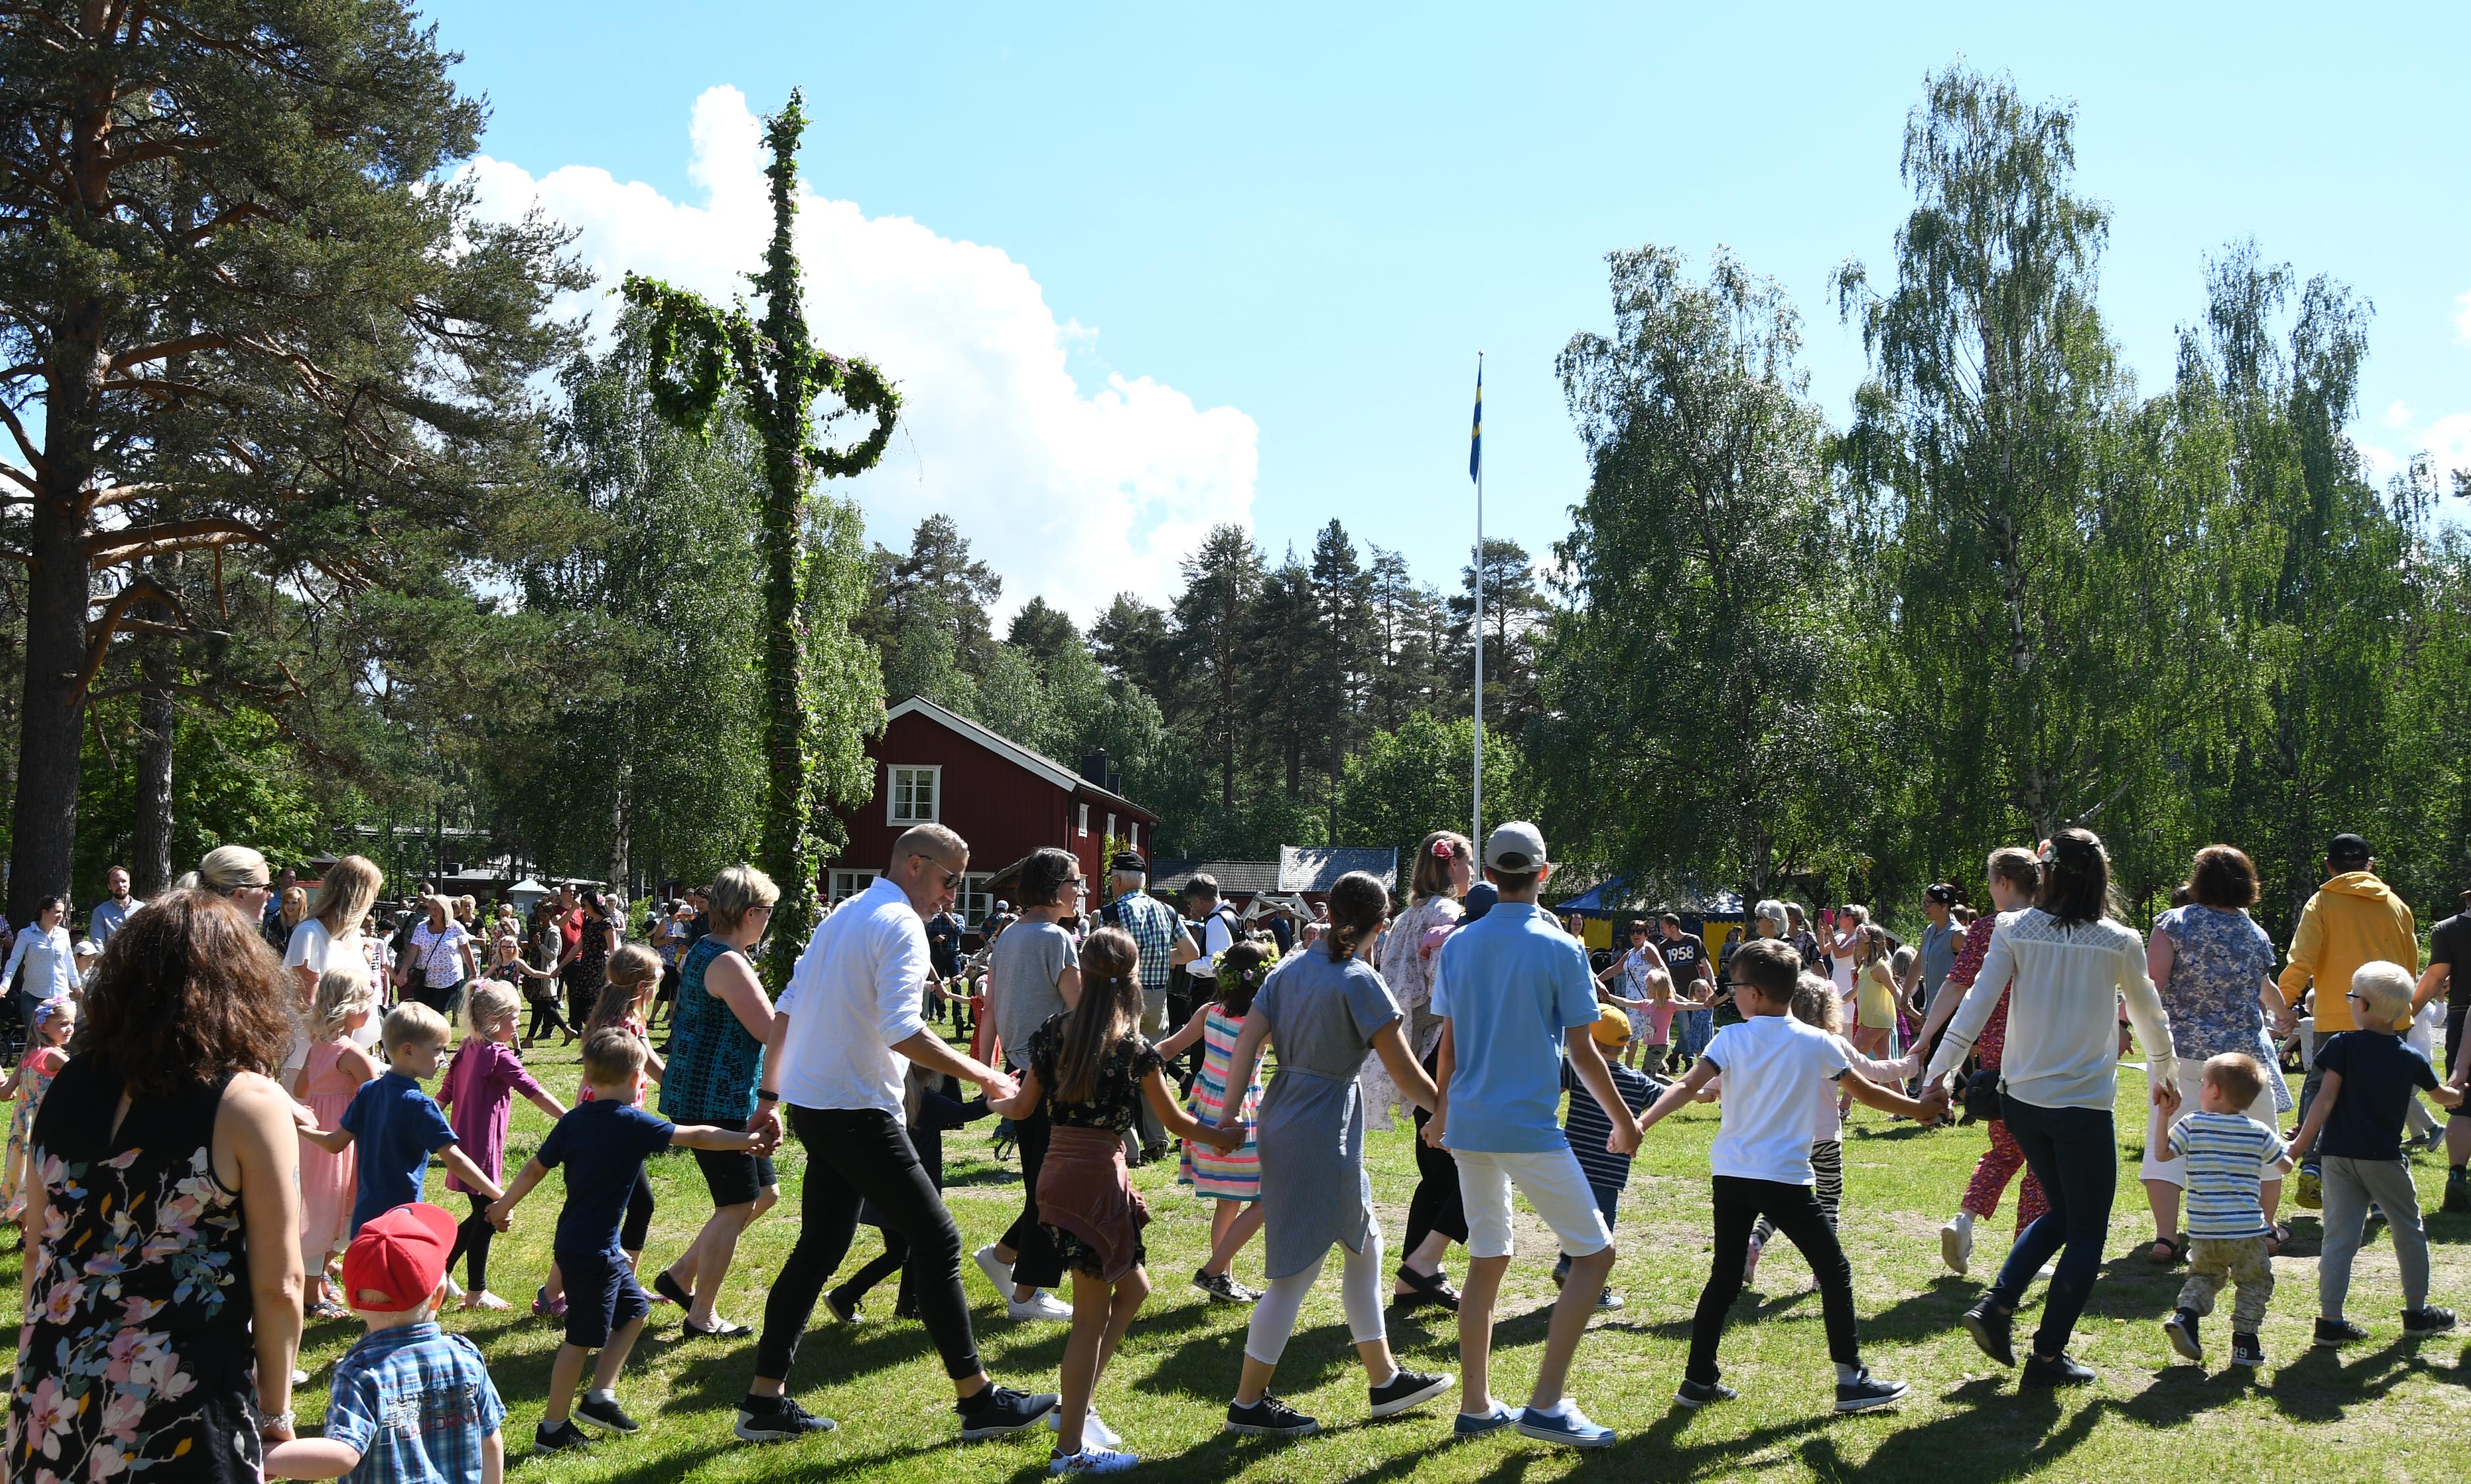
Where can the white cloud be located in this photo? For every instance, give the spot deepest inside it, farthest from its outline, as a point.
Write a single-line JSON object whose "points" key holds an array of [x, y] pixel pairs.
{"points": [[2446, 441], [1071, 497]]}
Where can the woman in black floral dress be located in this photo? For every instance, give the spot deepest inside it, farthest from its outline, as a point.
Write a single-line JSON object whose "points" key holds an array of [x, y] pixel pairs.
{"points": [[163, 1221], [1092, 1071]]}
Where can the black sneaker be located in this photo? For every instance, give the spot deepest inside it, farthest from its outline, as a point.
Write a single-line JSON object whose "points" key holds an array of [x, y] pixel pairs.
{"points": [[557, 1437], [999, 1409], [1993, 1329], [1561, 1270], [1608, 1300], [841, 1306], [2246, 1351], [1269, 1418], [1867, 1391], [1406, 1389], [2330, 1332], [2457, 1191], [1698, 1394], [1224, 1287], [2055, 1371], [2180, 1329], [2428, 1320], [607, 1416], [777, 1420]]}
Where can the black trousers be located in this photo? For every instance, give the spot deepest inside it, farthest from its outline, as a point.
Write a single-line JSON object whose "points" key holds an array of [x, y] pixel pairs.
{"points": [[857, 1155], [895, 1259], [545, 1016], [1794, 1210], [472, 1241], [1436, 1205], [1037, 1264], [637, 1225]]}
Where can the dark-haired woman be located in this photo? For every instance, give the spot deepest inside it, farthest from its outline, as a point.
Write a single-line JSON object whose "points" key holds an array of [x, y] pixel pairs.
{"points": [[1445, 869], [1326, 1010], [2071, 963], [163, 1269], [1033, 974], [2213, 966]]}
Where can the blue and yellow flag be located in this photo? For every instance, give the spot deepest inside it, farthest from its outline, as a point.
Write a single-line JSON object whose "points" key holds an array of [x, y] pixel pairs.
{"points": [[1476, 436]]}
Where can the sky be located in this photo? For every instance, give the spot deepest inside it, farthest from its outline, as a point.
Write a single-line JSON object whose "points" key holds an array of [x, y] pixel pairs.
{"points": [[1140, 269]]}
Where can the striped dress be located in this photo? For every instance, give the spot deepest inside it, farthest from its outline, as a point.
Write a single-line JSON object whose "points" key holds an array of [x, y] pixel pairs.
{"points": [[1234, 1175]]}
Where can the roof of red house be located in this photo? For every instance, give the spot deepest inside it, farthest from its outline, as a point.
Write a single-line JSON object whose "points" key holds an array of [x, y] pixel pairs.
{"points": [[1005, 747]]}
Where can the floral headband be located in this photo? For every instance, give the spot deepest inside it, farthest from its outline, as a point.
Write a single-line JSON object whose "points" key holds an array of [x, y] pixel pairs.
{"points": [[2045, 854], [1444, 850], [48, 1008]]}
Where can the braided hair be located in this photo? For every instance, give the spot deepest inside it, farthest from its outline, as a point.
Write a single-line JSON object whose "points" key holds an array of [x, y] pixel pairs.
{"points": [[1242, 968]]}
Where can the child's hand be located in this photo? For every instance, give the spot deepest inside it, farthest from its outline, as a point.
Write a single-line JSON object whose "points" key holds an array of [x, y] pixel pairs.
{"points": [[2448, 1096], [500, 1214]]}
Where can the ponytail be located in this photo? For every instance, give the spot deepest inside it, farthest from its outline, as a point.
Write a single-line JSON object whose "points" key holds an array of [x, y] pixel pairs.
{"points": [[1109, 1011], [1358, 905]]}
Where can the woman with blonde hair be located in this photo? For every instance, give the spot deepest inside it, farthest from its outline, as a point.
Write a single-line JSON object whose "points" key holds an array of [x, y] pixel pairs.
{"points": [[287, 919], [329, 935], [441, 959]]}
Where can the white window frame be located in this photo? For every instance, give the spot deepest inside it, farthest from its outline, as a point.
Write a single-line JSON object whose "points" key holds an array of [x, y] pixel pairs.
{"points": [[892, 782], [1133, 834], [1085, 819], [972, 900], [1110, 827], [842, 885]]}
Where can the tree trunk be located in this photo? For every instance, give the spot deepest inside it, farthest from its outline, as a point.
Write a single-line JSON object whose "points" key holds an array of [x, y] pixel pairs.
{"points": [[52, 720], [150, 863]]}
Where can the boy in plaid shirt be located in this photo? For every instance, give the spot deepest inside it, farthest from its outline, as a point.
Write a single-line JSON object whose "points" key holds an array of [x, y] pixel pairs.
{"points": [[410, 1403]]}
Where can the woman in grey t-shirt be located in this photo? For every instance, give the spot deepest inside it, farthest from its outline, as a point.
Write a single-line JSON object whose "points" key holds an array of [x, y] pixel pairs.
{"points": [[1033, 973]]}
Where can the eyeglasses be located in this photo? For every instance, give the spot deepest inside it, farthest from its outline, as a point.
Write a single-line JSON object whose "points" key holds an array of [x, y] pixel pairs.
{"points": [[765, 908]]}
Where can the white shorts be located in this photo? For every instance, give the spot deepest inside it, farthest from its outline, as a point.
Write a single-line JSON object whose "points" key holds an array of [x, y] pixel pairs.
{"points": [[1553, 1184]]}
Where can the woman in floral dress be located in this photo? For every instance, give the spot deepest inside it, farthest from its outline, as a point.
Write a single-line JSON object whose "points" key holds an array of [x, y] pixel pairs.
{"points": [[164, 1264]]}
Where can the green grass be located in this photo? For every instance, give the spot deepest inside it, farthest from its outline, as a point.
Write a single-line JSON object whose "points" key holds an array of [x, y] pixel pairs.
{"points": [[2396, 1411]]}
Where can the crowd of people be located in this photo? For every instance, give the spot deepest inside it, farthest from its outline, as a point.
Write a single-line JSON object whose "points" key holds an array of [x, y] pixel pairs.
{"points": [[224, 1125]]}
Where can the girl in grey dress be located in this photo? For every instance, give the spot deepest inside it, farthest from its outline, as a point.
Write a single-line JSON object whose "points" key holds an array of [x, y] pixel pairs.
{"points": [[1325, 1008]]}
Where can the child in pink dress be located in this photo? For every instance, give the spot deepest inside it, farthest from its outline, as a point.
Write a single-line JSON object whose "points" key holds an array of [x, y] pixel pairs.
{"points": [[54, 1020], [329, 1075], [478, 1094]]}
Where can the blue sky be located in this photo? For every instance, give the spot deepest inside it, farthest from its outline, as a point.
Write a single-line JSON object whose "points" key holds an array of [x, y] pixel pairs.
{"points": [[1311, 218]]}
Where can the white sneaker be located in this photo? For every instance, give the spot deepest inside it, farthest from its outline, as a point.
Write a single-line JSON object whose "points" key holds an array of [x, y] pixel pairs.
{"points": [[999, 1272], [1093, 1432], [454, 1289], [1040, 1304], [1956, 1246]]}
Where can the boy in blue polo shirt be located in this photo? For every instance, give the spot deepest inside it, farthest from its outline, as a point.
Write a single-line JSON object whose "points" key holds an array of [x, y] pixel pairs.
{"points": [[397, 1124], [1515, 993], [603, 1142]]}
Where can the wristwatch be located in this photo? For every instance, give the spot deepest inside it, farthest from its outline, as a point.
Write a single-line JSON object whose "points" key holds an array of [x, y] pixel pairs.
{"points": [[763, 1095]]}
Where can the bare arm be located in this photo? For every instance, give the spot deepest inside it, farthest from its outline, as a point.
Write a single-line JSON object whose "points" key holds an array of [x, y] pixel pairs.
{"points": [[2432, 983], [502, 1210], [1589, 1062], [1024, 1102], [2326, 1093], [1240, 1062], [1446, 1060], [493, 1458], [1181, 1124], [1068, 986], [333, 1141], [254, 1154], [1185, 1035], [1872, 1095], [931, 1051], [462, 1167], [540, 1098], [1701, 1073], [312, 1458], [730, 979], [704, 1135]]}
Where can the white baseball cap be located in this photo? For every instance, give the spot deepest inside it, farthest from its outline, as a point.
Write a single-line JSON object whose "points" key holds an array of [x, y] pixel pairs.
{"points": [[1516, 846]]}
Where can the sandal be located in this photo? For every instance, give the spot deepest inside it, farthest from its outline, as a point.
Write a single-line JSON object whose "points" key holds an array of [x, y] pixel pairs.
{"points": [[328, 1308], [2171, 1249], [1432, 1288]]}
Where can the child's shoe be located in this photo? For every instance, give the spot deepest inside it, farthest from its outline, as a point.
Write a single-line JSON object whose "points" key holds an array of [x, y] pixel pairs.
{"points": [[557, 1437], [1093, 1432], [546, 1308], [2428, 1320], [2457, 1191], [1866, 1391], [1609, 1301], [1564, 1424], [1407, 1388], [2181, 1329], [602, 1410], [1751, 1263], [776, 1420], [2330, 1332], [2055, 1371], [1269, 1418], [1695, 1395], [1092, 1460], [2308, 1189], [2246, 1351]]}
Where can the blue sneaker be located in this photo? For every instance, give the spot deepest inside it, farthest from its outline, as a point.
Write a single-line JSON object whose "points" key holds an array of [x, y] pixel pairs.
{"points": [[1571, 1428], [1475, 1425]]}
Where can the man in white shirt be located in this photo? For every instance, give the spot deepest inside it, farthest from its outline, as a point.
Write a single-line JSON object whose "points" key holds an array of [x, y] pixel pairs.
{"points": [[845, 1034]]}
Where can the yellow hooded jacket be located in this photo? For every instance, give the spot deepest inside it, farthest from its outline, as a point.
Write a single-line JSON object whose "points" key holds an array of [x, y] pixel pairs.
{"points": [[2352, 920]]}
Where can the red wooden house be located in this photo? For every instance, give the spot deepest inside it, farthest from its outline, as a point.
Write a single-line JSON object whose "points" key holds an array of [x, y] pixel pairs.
{"points": [[934, 767]]}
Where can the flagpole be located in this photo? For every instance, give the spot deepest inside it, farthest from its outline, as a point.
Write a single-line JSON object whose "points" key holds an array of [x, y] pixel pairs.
{"points": [[1476, 833]]}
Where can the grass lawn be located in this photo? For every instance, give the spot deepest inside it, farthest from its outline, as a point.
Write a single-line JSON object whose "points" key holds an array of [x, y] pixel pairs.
{"points": [[2396, 1408]]}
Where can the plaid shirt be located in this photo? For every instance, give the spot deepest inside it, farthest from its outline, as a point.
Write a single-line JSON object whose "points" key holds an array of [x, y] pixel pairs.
{"points": [[418, 1402], [1154, 926]]}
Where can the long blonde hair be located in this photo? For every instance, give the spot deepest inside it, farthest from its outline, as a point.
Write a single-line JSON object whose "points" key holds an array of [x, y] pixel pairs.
{"points": [[632, 971], [342, 992], [484, 1002], [345, 894]]}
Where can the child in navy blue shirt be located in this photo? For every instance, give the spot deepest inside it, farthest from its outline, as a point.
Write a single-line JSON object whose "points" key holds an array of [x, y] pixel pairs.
{"points": [[397, 1126], [602, 1144], [1587, 1128]]}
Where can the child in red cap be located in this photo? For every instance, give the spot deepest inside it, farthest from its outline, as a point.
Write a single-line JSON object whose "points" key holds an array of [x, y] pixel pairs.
{"points": [[409, 1403]]}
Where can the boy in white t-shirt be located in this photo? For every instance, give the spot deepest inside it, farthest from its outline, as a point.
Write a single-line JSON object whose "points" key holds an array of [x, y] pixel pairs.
{"points": [[1772, 1066]]}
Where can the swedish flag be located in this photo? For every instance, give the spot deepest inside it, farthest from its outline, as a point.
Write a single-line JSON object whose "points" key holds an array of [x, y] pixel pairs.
{"points": [[1476, 436]]}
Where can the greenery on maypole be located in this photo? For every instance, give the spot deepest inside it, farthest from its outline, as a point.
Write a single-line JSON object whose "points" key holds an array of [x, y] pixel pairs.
{"points": [[699, 353]]}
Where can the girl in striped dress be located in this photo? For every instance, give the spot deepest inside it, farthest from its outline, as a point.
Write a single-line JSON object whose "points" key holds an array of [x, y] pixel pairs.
{"points": [[1231, 1177]]}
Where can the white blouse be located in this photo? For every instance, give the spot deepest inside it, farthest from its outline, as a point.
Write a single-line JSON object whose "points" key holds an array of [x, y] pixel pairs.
{"points": [[2063, 1019]]}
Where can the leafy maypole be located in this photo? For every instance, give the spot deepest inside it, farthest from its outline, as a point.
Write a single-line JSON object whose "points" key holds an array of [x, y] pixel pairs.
{"points": [[699, 353]]}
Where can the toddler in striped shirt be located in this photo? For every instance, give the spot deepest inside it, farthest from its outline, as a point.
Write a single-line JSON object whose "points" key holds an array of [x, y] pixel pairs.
{"points": [[2228, 1154]]}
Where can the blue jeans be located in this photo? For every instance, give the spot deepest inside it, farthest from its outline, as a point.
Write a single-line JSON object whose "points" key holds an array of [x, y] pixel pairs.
{"points": [[1696, 1031], [2074, 1153]]}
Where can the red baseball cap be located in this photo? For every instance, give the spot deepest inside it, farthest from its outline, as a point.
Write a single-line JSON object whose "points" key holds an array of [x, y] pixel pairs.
{"points": [[397, 1260]]}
